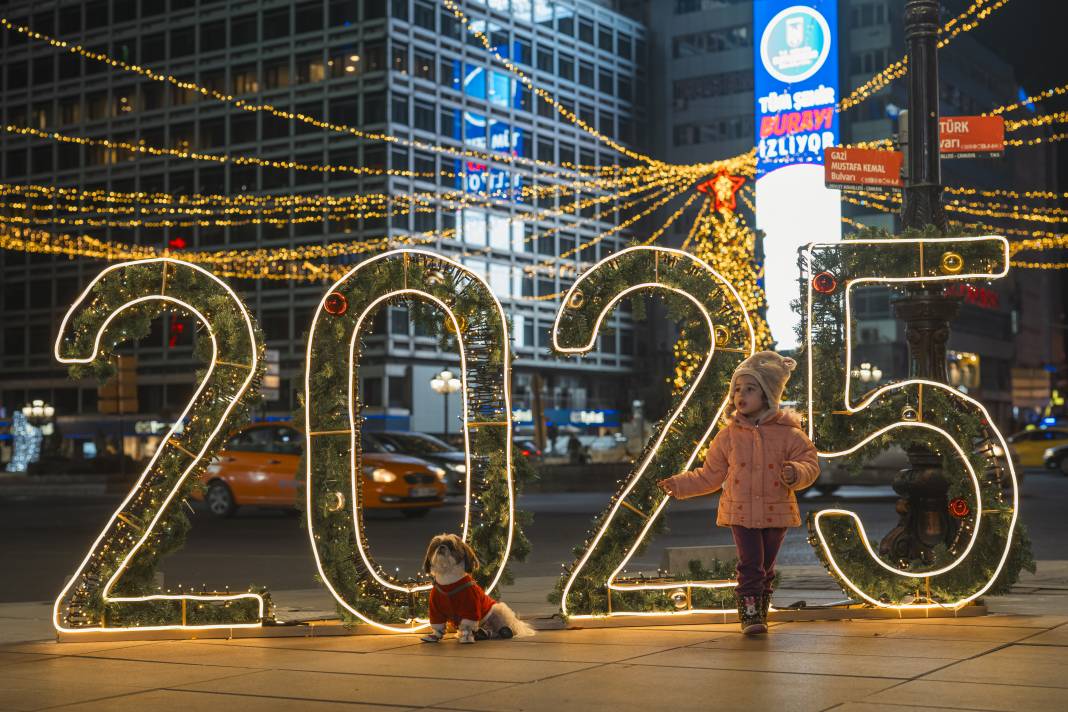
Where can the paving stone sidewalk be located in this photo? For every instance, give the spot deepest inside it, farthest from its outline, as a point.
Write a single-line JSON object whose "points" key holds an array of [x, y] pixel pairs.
{"points": [[1014, 658]]}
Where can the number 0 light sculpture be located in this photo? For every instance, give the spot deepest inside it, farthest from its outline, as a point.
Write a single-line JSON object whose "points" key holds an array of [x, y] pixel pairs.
{"points": [[332, 418]]}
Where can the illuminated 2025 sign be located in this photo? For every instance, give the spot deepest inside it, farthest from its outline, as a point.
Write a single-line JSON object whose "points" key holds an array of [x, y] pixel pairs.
{"points": [[95, 325]]}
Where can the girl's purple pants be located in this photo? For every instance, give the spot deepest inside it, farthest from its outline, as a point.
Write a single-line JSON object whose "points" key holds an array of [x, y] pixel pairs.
{"points": [[757, 549]]}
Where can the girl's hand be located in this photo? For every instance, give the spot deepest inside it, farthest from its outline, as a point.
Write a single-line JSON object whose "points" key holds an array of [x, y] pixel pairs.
{"points": [[665, 485], [789, 475]]}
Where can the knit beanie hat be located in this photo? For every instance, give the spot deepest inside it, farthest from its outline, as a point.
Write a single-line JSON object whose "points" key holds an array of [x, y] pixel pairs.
{"points": [[770, 370]]}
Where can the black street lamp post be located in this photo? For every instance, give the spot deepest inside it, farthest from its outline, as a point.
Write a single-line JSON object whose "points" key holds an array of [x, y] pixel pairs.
{"points": [[924, 520]]}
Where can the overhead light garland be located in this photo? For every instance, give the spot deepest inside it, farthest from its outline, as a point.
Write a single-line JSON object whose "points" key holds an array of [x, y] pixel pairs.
{"points": [[966, 21], [473, 154]]}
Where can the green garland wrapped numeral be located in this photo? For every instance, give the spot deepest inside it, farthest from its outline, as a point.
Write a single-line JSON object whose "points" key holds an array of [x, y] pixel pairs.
{"points": [[364, 591], [988, 546], [596, 583], [113, 587]]}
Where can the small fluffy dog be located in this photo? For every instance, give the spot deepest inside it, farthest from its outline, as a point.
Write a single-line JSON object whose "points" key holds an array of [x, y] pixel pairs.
{"points": [[457, 599]]}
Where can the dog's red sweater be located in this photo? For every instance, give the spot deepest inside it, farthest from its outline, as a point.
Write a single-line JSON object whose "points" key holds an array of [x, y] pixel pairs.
{"points": [[457, 601]]}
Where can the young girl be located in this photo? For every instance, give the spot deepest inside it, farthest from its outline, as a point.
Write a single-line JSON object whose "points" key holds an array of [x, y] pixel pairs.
{"points": [[759, 460]]}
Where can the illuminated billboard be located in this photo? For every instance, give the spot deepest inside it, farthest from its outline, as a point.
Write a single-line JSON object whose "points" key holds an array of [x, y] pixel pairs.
{"points": [[480, 132], [795, 84]]}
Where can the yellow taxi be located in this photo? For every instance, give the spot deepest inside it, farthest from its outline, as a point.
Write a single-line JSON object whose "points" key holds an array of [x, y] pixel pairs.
{"points": [[258, 467], [1031, 445]]}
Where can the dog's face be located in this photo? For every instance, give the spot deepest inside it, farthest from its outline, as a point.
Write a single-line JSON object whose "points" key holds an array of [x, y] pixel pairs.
{"points": [[449, 553]]}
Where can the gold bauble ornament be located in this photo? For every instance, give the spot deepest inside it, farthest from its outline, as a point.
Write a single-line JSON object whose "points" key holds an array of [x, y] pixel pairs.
{"points": [[909, 413], [449, 327], [721, 335], [335, 501], [952, 263], [577, 299]]}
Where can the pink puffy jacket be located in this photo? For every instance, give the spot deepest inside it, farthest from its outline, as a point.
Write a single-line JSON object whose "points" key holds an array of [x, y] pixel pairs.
{"points": [[746, 460]]}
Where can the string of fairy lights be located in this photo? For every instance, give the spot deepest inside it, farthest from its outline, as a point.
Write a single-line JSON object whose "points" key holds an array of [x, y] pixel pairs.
{"points": [[645, 188], [966, 21]]}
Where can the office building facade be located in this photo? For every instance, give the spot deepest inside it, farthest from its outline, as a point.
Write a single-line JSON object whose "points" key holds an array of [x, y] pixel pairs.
{"points": [[406, 68]]}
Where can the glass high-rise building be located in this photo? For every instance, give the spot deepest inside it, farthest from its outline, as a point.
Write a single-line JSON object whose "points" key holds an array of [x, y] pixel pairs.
{"points": [[402, 67]]}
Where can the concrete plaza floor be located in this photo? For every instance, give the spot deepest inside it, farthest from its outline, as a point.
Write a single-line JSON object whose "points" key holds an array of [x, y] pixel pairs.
{"points": [[1014, 658]]}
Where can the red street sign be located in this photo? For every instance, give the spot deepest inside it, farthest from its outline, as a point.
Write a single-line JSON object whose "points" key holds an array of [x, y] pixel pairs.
{"points": [[861, 167], [971, 136]]}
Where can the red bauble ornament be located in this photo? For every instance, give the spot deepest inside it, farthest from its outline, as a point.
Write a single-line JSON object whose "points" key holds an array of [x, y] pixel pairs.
{"points": [[959, 508], [336, 304], [824, 283]]}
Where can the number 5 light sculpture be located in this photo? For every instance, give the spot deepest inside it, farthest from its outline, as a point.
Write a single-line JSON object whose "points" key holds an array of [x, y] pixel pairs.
{"points": [[841, 423]]}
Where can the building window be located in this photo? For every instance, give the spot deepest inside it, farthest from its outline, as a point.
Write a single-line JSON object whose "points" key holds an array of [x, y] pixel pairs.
{"points": [[711, 85], [424, 66], [244, 30], [344, 63], [400, 57], [97, 106], [151, 96], [425, 116], [545, 60], [276, 74], [17, 75], [153, 48], [372, 391], [424, 15], [374, 111], [711, 41], [309, 17], [375, 56], [44, 70], [400, 109], [565, 65], [310, 69], [586, 74], [70, 66], [213, 36], [183, 42], [246, 80], [70, 111]]}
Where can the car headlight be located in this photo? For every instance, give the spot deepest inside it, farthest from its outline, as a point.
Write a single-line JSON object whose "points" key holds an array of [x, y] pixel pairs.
{"points": [[379, 474], [1047, 454], [439, 472], [459, 467]]}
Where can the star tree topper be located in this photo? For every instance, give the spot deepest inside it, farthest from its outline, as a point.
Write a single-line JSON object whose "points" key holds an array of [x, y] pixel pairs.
{"points": [[724, 190]]}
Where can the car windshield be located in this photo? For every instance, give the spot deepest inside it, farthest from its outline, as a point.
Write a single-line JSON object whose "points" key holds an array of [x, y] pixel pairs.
{"points": [[372, 443], [420, 444]]}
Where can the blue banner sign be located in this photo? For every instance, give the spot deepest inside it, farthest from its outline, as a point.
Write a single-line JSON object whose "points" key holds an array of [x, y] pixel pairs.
{"points": [[795, 81]]}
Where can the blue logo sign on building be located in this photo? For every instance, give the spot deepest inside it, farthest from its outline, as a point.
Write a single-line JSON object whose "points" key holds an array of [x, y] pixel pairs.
{"points": [[795, 81]]}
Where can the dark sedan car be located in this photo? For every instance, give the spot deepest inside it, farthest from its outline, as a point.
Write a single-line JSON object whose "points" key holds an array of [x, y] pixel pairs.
{"points": [[1056, 458], [429, 448]]}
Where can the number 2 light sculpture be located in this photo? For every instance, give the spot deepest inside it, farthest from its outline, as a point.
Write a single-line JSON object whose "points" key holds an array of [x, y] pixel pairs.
{"points": [[841, 423], [595, 585], [109, 590]]}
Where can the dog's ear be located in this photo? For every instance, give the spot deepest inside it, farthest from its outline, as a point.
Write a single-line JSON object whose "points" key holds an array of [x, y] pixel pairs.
{"points": [[471, 561], [434, 541]]}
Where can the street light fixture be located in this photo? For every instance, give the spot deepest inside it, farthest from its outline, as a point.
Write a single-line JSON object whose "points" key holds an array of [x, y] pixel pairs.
{"points": [[868, 373], [38, 410], [446, 383]]}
